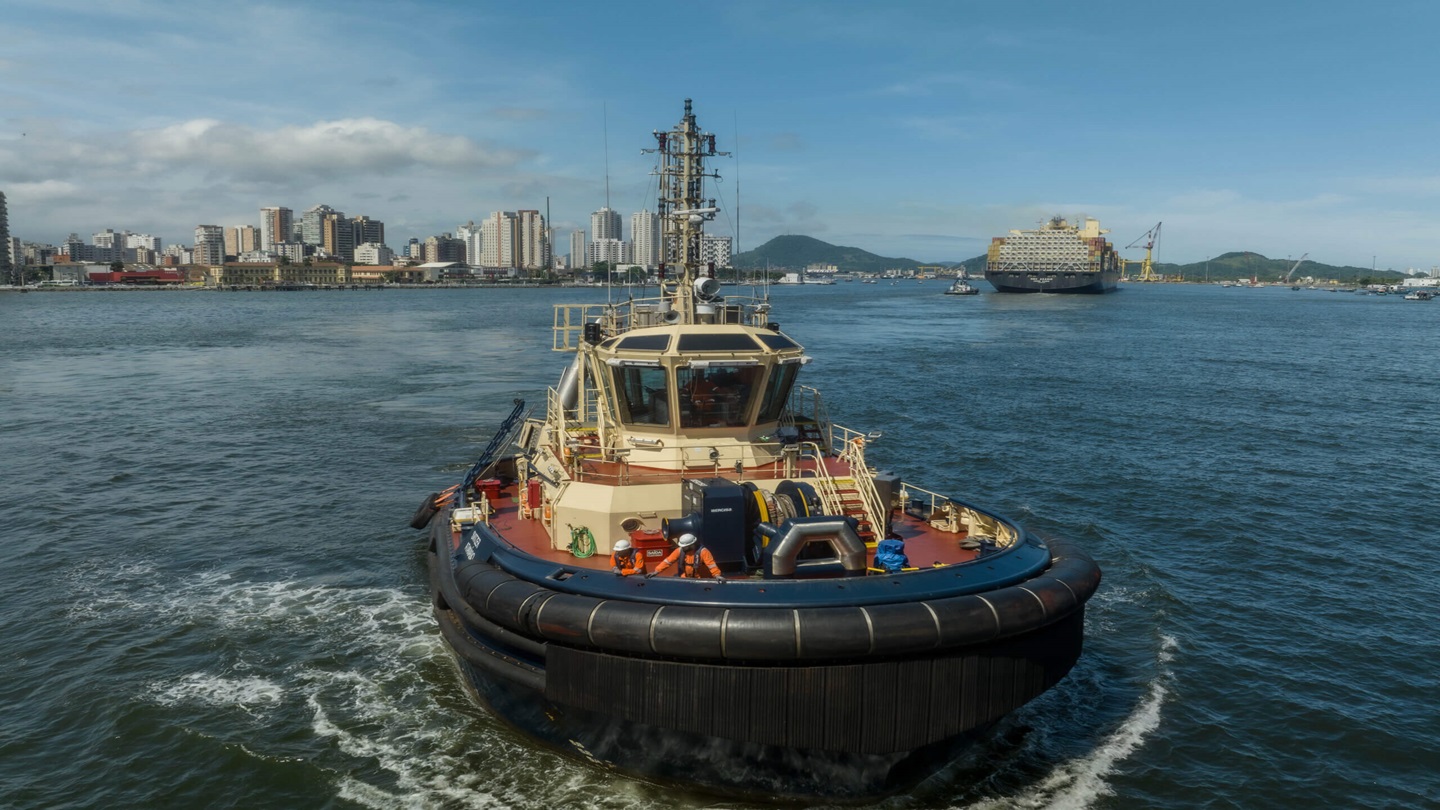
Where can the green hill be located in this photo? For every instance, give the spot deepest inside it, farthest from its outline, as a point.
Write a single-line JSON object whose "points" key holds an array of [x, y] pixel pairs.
{"points": [[797, 252]]}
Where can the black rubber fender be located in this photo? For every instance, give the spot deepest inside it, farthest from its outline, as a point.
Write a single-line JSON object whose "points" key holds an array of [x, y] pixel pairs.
{"points": [[427, 510]]}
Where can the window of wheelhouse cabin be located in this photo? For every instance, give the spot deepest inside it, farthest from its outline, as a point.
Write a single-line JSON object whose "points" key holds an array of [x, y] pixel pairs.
{"points": [[718, 395], [643, 394], [777, 392]]}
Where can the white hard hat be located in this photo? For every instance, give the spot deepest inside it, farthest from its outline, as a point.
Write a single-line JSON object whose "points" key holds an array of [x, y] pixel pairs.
{"points": [[622, 545], [687, 540]]}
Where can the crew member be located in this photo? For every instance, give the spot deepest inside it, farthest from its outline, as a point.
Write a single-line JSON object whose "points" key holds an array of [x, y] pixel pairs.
{"points": [[624, 561], [690, 556]]}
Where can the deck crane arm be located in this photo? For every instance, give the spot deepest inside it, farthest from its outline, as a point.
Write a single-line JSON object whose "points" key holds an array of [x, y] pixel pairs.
{"points": [[1293, 266]]}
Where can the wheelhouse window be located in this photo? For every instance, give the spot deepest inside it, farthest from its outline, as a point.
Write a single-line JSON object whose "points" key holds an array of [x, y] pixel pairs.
{"points": [[777, 391], [643, 393], [718, 395]]}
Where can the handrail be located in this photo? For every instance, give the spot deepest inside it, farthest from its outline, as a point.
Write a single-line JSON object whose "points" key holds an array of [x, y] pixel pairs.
{"points": [[853, 452], [988, 525]]}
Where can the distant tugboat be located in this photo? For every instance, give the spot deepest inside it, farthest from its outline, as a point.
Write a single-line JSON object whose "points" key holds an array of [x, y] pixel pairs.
{"points": [[962, 287], [1055, 258], [844, 632]]}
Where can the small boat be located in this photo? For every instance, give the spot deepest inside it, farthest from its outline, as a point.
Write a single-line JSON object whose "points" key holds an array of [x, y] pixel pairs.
{"points": [[845, 632], [962, 287], [1419, 295]]}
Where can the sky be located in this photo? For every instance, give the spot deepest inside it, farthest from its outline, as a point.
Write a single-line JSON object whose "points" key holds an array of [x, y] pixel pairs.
{"points": [[908, 129]]}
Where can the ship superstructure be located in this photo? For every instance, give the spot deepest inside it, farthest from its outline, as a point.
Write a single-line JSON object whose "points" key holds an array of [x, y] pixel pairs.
{"points": [[1056, 258]]}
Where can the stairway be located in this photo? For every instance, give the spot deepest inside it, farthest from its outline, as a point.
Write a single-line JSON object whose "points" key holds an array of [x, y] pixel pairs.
{"points": [[852, 504]]}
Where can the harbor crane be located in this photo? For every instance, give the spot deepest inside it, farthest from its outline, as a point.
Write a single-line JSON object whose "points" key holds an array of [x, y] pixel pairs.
{"points": [[1147, 268], [1295, 265]]}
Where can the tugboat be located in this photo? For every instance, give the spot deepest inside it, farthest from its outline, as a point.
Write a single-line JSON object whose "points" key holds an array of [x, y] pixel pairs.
{"points": [[844, 632], [962, 286]]}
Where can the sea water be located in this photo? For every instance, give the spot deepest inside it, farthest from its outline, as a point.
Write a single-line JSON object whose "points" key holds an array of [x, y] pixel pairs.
{"points": [[211, 596]]}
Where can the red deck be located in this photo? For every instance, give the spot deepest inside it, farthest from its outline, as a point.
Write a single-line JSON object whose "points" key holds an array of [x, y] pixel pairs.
{"points": [[924, 545]]}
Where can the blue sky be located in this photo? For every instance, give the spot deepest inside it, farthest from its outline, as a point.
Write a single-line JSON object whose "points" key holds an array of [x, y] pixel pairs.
{"points": [[907, 129]]}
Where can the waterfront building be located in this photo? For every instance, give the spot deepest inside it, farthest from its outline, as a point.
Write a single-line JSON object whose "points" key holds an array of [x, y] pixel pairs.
{"points": [[605, 224], [577, 249], [374, 253], [715, 249], [209, 245], [256, 257], [645, 235], [9, 266], [275, 225]]}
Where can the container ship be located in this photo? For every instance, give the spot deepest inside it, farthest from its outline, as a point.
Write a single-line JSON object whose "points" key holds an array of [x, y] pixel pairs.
{"points": [[1054, 258], [683, 570]]}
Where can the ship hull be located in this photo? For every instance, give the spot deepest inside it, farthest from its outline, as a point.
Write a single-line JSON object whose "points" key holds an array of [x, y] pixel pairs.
{"points": [[838, 727], [1012, 281]]}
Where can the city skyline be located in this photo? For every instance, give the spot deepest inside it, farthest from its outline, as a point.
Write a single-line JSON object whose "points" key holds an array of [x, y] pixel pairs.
{"points": [[919, 130]]}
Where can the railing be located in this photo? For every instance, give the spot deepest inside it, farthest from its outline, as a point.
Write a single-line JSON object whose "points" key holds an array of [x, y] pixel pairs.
{"points": [[853, 452], [639, 313], [980, 524]]}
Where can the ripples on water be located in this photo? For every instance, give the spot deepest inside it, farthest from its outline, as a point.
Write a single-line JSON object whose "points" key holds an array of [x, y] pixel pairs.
{"points": [[211, 597]]}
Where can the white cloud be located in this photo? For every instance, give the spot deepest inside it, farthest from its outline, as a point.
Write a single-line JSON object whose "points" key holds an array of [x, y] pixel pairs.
{"points": [[325, 149]]}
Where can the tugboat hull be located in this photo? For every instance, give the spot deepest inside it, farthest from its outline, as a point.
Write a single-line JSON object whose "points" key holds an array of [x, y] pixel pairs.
{"points": [[833, 728]]}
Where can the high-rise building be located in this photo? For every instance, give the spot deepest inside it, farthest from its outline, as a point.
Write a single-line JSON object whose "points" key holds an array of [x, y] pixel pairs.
{"points": [[275, 226], [498, 235], [533, 242], [444, 248], [368, 230], [473, 237], [645, 234], [337, 236], [142, 240], [242, 239], [614, 251], [109, 245], [209, 245], [8, 261], [75, 249], [312, 224], [715, 249], [605, 224], [373, 253], [577, 249]]}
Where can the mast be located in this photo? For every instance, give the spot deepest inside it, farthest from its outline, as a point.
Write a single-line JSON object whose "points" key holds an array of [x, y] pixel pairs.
{"points": [[683, 210]]}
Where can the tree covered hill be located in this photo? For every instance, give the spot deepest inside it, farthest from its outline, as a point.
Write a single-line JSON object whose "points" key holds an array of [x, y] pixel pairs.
{"points": [[797, 252]]}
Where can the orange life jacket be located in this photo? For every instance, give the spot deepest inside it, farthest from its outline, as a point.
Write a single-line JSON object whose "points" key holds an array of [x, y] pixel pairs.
{"points": [[628, 562], [690, 563]]}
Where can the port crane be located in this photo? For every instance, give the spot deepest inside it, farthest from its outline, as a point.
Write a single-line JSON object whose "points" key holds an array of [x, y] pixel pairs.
{"points": [[1294, 266], [1147, 268]]}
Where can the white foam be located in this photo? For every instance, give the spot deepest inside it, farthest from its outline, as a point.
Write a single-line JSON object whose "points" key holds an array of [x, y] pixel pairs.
{"points": [[1078, 783], [250, 694]]}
